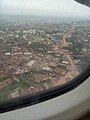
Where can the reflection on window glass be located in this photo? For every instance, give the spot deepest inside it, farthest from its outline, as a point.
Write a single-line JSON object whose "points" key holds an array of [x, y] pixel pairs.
{"points": [[43, 44]]}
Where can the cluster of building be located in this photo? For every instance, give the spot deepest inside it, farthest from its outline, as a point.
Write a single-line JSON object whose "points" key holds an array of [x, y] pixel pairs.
{"points": [[18, 56]]}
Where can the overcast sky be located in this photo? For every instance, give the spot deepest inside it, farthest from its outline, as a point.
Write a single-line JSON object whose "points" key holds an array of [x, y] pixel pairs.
{"points": [[44, 7]]}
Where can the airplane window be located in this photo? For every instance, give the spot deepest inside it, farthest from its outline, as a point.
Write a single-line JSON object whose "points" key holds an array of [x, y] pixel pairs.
{"points": [[44, 44]]}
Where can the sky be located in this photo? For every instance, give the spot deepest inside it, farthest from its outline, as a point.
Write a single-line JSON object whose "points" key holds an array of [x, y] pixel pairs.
{"points": [[44, 8]]}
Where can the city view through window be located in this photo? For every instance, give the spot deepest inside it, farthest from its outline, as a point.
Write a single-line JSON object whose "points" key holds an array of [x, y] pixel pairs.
{"points": [[43, 44]]}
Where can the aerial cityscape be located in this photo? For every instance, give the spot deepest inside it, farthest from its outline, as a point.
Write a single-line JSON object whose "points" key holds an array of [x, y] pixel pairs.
{"points": [[42, 45], [37, 55]]}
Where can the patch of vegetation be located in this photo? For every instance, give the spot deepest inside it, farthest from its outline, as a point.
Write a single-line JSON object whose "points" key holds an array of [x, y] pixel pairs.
{"points": [[8, 49], [75, 47], [2, 78], [85, 62], [38, 47], [6, 91]]}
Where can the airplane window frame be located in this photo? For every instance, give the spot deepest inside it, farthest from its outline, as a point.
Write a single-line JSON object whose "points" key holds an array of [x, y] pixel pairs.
{"points": [[28, 100]]}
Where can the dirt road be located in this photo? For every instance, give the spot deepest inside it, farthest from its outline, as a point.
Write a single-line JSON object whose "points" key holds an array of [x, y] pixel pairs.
{"points": [[72, 73]]}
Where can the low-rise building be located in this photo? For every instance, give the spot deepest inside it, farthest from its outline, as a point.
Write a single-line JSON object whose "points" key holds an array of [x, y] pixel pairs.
{"points": [[31, 63], [7, 53], [46, 68]]}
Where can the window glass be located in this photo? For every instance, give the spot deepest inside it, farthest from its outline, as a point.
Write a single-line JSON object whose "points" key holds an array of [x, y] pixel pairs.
{"points": [[43, 44]]}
